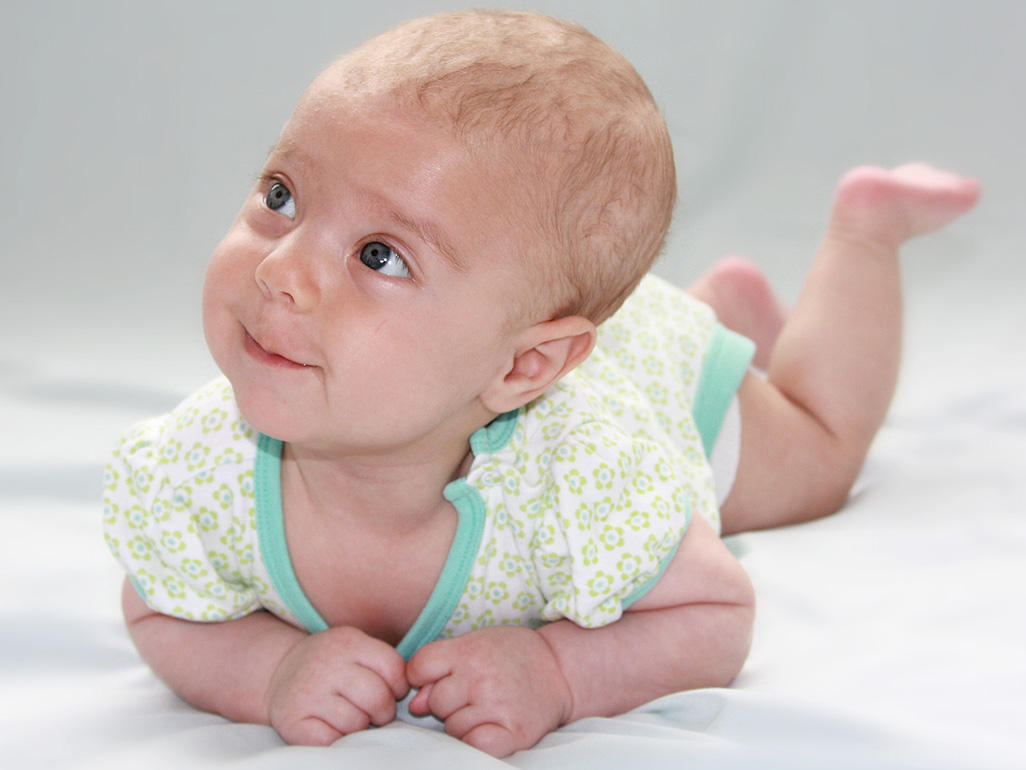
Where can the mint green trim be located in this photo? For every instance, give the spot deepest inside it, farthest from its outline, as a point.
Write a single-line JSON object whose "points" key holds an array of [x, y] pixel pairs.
{"points": [[271, 531], [453, 580], [447, 592], [725, 364], [466, 543], [647, 586], [495, 435], [138, 589]]}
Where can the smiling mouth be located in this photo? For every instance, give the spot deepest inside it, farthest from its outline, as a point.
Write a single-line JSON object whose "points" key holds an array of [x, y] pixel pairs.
{"points": [[261, 354]]}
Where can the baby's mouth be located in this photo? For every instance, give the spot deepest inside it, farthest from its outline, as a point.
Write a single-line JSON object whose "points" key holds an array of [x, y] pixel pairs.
{"points": [[269, 357]]}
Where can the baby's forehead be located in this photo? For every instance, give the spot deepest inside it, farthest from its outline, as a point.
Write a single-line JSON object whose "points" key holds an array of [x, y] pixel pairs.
{"points": [[322, 126], [335, 97]]}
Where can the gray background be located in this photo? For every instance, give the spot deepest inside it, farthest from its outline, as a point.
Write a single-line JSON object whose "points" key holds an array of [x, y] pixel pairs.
{"points": [[132, 131], [888, 635]]}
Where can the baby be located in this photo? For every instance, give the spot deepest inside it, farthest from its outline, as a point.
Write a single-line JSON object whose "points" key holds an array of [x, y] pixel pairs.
{"points": [[462, 443]]}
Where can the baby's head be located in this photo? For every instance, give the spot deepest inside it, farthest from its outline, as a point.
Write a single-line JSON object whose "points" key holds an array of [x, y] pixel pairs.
{"points": [[565, 119], [449, 211]]}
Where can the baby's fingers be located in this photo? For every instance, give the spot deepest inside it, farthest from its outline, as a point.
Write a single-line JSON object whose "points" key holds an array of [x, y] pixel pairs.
{"points": [[383, 660], [366, 692], [492, 739], [420, 703], [311, 731], [432, 662]]}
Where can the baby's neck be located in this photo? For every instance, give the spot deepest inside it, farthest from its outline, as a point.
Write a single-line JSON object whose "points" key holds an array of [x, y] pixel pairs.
{"points": [[393, 492]]}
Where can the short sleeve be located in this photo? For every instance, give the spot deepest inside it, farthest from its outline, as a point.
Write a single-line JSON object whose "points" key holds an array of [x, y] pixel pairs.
{"points": [[617, 511], [725, 365], [673, 350], [173, 522]]}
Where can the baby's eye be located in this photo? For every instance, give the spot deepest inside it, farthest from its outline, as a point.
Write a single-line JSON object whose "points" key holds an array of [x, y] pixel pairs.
{"points": [[279, 199], [384, 259]]}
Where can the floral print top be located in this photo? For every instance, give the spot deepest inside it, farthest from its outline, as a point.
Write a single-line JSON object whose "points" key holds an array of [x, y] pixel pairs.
{"points": [[572, 507]]}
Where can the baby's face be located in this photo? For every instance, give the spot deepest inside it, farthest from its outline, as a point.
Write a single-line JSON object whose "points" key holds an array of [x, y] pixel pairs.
{"points": [[363, 297]]}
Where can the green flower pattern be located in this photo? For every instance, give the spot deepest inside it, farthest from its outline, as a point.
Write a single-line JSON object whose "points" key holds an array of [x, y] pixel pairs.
{"points": [[585, 504], [179, 511]]}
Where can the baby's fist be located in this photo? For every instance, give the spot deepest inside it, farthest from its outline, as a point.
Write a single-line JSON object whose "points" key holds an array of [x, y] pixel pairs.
{"points": [[334, 683], [499, 689]]}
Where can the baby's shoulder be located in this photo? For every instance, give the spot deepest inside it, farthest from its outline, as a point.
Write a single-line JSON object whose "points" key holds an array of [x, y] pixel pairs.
{"points": [[203, 432], [581, 428], [656, 307]]}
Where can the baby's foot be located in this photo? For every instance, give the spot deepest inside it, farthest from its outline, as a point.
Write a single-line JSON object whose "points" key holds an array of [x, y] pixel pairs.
{"points": [[886, 207], [745, 302]]}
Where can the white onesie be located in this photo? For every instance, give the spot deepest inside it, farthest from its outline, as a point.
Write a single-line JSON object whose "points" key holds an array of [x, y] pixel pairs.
{"points": [[572, 507]]}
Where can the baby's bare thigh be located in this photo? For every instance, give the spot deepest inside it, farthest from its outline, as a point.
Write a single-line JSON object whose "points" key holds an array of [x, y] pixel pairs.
{"points": [[787, 471]]}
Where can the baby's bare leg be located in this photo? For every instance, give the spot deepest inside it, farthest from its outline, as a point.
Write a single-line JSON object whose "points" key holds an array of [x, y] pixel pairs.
{"points": [[806, 428]]}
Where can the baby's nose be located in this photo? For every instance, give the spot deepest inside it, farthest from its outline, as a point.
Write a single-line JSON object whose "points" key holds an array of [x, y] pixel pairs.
{"points": [[287, 275]]}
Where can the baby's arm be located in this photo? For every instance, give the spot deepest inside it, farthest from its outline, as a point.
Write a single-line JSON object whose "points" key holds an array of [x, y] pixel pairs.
{"points": [[692, 629], [503, 688], [311, 689]]}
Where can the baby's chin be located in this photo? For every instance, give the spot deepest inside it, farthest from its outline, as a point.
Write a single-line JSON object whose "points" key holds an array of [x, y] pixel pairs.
{"points": [[267, 412]]}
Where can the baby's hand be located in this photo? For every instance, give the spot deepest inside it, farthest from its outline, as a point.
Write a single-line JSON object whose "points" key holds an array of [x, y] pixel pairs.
{"points": [[333, 683], [499, 689]]}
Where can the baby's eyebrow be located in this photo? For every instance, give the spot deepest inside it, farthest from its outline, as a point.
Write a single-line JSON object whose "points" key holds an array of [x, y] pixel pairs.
{"points": [[429, 232], [425, 230], [287, 149]]}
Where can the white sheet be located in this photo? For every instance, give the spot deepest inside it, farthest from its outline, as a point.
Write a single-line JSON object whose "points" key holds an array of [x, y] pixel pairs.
{"points": [[889, 635]]}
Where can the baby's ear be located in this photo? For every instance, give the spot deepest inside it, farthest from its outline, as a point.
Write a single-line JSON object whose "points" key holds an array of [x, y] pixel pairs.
{"points": [[545, 353]]}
